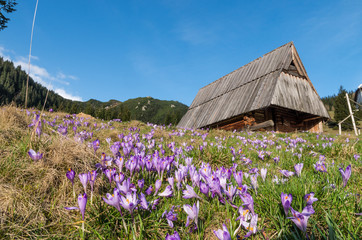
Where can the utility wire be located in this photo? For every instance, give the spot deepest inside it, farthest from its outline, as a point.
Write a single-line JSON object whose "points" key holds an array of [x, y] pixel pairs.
{"points": [[31, 42]]}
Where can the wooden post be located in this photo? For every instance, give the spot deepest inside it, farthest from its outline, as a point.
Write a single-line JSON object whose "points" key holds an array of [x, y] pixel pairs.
{"points": [[350, 111], [340, 128]]}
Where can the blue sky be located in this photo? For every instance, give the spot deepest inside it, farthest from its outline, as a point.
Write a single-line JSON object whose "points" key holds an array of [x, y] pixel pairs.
{"points": [[169, 49]]}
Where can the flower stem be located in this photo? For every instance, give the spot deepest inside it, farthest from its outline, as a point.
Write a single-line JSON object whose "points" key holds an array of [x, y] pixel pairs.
{"points": [[83, 229]]}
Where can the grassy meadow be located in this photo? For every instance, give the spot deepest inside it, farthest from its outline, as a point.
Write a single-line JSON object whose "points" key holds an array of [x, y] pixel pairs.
{"points": [[173, 177]]}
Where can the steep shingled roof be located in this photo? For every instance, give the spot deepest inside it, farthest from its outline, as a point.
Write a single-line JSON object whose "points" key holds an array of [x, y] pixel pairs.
{"points": [[277, 78]]}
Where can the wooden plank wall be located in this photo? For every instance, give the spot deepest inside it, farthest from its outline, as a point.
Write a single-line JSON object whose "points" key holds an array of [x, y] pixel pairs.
{"points": [[285, 120]]}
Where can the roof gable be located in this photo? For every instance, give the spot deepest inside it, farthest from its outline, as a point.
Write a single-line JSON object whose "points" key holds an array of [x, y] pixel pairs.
{"points": [[254, 86]]}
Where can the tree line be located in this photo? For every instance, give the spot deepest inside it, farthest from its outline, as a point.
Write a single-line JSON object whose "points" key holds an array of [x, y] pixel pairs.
{"points": [[337, 104], [13, 87]]}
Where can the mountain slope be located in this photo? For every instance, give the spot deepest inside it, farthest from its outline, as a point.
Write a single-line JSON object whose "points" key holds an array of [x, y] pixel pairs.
{"points": [[146, 109]]}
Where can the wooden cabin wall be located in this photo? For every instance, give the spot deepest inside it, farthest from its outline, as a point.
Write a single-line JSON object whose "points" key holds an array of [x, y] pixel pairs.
{"points": [[285, 120]]}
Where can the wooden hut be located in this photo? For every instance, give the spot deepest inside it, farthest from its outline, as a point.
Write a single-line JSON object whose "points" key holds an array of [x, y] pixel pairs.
{"points": [[273, 92], [358, 96]]}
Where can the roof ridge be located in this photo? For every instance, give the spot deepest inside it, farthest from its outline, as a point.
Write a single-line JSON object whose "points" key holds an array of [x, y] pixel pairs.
{"points": [[219, 79]]}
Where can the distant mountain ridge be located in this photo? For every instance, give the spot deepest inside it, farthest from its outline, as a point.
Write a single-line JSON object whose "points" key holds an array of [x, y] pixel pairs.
{"points": [[146, 109]]}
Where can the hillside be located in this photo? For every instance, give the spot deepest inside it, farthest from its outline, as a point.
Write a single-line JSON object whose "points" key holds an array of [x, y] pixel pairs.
{"points": [[140, 181], [147, 109]]}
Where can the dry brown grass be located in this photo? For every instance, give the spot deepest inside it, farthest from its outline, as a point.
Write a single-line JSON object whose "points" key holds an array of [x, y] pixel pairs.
{"points": [[34, 194]]}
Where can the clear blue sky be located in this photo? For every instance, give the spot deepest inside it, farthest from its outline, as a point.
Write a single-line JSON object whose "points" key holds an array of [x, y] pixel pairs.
{"points": [[169, 49]]}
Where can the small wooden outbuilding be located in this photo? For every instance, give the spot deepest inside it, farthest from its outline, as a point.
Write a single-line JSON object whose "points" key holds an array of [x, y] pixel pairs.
{"points": [[273, 92]]}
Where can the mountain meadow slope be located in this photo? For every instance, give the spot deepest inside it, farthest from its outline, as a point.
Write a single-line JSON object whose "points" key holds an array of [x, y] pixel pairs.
{"points": [[144, 181]]}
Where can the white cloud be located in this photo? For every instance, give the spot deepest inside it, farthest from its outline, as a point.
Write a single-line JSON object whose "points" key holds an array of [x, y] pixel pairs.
{"points": [[66, 95], [42, 76]]}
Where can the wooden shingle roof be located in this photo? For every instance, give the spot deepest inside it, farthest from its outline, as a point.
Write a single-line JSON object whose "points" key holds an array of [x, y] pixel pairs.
{"points": [[277, 78]]}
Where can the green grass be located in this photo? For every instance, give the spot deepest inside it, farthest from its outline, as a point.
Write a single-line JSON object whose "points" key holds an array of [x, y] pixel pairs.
{"points": [[34, 194]]}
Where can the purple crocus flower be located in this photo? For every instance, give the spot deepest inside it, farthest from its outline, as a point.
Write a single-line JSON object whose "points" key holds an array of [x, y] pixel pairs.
{"points": [[35, 155], [155, 203], [286, 173], [157, 186], [174, 236], [253, 170], [192, 212], [118, 178], [129, 202], [248, 201], [167, 193], [141, 183], [83, 177], [239, 178], [63, 130], [215, 187], [149, 190], [244, 214], [308, 210], [310, 199], [82, 202], [299, 219], [263, 172], [320, 166], [286, 201], [115, 149], [298, 169], [70, 175], [231, 190], [252, 226], [108, 173], [95, 145], [113, 200], [126, 186], [189, 193], [204, 188], [92, 178], [345, 174], [254, 181], [223, 234], [171, 181], [143, 202], [170, 217]]}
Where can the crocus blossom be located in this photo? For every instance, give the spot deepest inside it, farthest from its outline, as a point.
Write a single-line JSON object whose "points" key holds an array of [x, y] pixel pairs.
{"points": [[263, 172], [95, 145], [298, 169], [70, 175], [82, 202], [174, 236], [309, 198], [345, 174], [114, 199], [223, 234], [83, 177], [192, 212], [189, 193], [286, 202], [157, 186], [299, 220], [167, 193], [170, 216], [252, 226], [286, 173], [35, 155], [129, 202]]}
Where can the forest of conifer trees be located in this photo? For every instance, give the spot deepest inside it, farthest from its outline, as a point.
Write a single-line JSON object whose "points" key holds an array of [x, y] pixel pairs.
{"points": [[13, 87]]}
